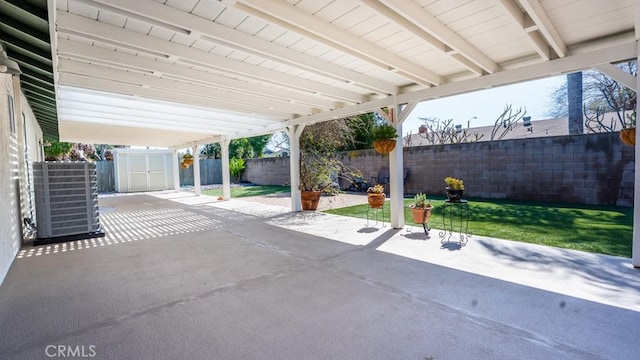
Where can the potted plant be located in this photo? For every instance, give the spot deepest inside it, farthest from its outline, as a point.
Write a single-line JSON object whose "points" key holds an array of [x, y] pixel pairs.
{"points": [[455, 188], [187, 159], [376, 196], [315, 177], [420, 209], [384, 138], [321, 164], [628, 133]]}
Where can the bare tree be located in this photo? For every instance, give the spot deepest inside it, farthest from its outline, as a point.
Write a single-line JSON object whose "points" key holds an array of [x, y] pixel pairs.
{"points": [[602, 95], [445, 132], [506, 122]]}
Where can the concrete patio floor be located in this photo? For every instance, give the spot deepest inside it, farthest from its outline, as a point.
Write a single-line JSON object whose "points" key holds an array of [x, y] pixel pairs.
{"points": [[186, 277]]}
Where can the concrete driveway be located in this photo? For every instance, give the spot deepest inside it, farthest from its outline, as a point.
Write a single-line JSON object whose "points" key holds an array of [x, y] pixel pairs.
{"points": [[182, 277]]}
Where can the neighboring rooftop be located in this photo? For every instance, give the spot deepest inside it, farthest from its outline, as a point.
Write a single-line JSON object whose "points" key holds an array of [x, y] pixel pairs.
{"points": [[538, 128]]}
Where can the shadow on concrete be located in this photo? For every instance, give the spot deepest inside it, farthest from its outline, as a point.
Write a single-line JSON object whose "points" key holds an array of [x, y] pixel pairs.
{"points": [[603, 270]]}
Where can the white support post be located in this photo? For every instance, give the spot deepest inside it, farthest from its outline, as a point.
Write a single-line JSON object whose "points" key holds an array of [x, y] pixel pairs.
{"points": [[396, 178], [294, 133], [196, 171], [176, 171], [635, 257], [226, 174]]}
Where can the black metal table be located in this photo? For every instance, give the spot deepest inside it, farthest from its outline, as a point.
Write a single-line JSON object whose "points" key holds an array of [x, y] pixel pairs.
{"points": [[455, 217]]}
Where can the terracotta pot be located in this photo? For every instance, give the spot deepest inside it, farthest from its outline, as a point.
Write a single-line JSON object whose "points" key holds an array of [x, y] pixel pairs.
{"points": [[421, 215], [310, 199], [376, 201], [188, 162], [628, 136], [384, 146]]}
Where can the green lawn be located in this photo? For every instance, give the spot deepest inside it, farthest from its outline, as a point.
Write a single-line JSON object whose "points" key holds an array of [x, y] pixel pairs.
{"points": [[244, 191], [598, 229]]}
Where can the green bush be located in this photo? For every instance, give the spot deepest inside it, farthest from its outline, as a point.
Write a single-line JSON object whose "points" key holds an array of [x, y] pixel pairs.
{"points": [[236, 168]]}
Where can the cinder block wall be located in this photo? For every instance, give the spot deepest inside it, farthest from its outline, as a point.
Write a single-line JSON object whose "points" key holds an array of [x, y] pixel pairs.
{"points": [[586, 169], [267, 171]]}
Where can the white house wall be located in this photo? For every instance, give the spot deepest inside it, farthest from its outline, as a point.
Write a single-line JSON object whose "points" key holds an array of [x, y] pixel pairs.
{"points": [[17, 144]]}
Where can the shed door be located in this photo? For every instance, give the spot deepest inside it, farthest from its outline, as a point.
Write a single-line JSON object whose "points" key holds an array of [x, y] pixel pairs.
{"points": [[157, 172], [138, 176]]}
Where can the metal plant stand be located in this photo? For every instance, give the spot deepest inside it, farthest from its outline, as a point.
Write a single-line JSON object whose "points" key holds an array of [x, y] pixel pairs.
{"points": [[375, 212], [455, 216]]}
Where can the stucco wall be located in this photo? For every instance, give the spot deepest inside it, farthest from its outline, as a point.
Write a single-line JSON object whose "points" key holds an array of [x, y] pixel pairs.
{"points": [[588, 169], [19, 147]]}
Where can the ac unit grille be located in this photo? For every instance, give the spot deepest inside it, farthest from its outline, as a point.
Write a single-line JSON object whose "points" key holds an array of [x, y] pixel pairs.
{"points": [[66, 201]]}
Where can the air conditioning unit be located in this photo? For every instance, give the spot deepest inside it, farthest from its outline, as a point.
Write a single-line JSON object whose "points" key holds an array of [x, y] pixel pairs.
{"points": [[66, 195]]}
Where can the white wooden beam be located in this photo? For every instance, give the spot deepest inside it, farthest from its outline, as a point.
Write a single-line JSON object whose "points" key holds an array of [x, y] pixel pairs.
{"points": [[235, 39], [256, 103], [309, 25], [106, 120], [175, 167], [226, 174], [160, 94], [125, 113], [406, 111], [419, 32], [396, 175], [72, 97], [197, 189], [545, 26], [99, 30], [618, 75], [185, 124], [429, 23], [581, 59], [85, 51], [104, 5], [529, 28], [294, 132]]}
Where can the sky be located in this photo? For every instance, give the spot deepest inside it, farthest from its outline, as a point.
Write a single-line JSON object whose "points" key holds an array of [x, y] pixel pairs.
{"points": [[482, 108]]}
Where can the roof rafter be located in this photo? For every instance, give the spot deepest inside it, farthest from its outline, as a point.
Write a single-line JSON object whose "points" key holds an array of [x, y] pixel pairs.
{"points": [[98, 71], [162, 94], [545, 26], [430, 24], [75, 49], [236, 39], [571, 63], [525, 22], [327, 33], [82, 25]]}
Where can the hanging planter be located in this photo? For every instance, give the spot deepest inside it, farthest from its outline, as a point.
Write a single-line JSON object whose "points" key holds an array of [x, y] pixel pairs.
{"points": [[384, 146], [187, 159], [384, 138], [628, 136]]}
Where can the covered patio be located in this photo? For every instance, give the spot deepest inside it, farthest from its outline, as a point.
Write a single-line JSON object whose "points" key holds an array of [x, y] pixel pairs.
{"points": [[180, 276], [181, 74], [184, 276]]}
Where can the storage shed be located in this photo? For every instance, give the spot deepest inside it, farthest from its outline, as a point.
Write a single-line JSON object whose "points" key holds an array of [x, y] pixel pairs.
{"points": [[143, 169]]}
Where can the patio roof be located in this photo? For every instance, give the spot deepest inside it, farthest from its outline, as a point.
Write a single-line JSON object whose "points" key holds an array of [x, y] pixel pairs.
{"points": [[24, 35], [177, 73]]}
